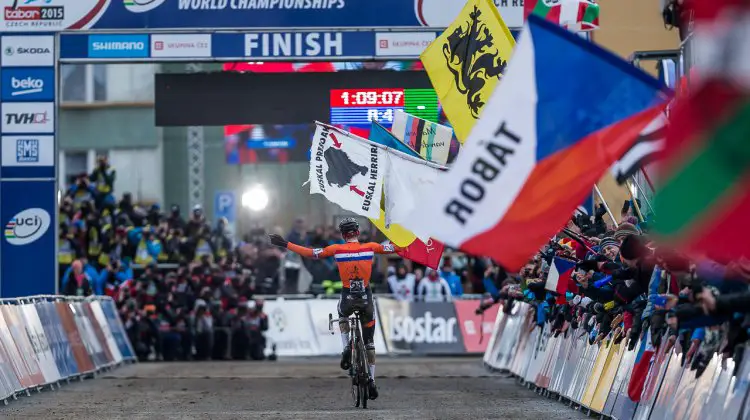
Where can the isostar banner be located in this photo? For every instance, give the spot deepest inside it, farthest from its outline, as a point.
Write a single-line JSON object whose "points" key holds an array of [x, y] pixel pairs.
{"points": [[62, 15], [29, 265], [421, 327], [475, 329]]}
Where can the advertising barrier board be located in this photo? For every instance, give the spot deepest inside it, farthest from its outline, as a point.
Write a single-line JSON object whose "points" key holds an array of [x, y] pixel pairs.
{"points": [[605, 377]]}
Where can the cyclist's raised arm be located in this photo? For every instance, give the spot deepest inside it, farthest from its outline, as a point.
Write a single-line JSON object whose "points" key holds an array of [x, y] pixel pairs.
{"points": [[301, 250], [384, 249]]}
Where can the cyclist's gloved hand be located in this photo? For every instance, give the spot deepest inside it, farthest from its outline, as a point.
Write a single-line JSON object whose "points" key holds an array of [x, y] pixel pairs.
{"points": [[278, 240]]}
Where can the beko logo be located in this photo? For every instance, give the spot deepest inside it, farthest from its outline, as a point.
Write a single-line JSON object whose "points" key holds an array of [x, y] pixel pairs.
{"points": [[26, 86]]}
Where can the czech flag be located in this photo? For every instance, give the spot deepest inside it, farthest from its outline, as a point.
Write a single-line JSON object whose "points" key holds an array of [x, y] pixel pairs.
{"points": [[559, 279], [564, 112]]}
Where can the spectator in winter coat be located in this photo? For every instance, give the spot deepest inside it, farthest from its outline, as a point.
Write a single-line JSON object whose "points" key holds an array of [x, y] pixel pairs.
{"points": [[402, 284], [79, 283], [433, 288], [453, 279]]}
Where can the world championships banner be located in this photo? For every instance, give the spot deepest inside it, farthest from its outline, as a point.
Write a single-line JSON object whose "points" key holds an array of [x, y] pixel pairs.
{"points": [[60, 15]]}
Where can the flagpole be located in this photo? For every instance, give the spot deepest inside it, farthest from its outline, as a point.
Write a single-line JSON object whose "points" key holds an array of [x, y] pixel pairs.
{"points": [[388, 149], [601, 197], [635, 203], [645, 198], [648, 179]]}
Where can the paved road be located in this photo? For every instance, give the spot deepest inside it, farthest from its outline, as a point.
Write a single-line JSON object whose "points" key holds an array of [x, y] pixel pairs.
{"points": [[307, 389]]}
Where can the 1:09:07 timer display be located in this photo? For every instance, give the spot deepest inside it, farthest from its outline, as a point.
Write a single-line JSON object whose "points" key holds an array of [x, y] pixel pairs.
{"points": [[367, 97]]}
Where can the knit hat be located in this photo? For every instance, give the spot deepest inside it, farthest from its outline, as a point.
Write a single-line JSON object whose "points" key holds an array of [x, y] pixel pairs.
{"points": [[608, 242], [632, 247], [626, 229]]}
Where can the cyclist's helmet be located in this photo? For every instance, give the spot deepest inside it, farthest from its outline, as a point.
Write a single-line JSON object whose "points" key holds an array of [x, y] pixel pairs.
{"points": [[348, 226]]}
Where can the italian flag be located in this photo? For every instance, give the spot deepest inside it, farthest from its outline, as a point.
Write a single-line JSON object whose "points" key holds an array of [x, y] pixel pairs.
{"points": [[574, 15], [703, 200]]}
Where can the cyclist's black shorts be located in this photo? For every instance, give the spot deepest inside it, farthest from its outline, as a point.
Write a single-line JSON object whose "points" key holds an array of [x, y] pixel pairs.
{"points": [[351, 302], [362, 302]]}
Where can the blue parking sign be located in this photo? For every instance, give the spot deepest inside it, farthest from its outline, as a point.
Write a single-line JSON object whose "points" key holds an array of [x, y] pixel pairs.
{"points": [[225, 205]]}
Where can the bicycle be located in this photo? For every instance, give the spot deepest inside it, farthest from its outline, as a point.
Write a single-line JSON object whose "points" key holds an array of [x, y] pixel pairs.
{"points": [[360, 370]]}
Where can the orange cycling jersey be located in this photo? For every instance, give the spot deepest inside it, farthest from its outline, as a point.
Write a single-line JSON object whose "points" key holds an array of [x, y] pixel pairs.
{"points": [[353, 259]]}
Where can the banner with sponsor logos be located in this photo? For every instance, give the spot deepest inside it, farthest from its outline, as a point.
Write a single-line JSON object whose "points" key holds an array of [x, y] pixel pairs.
{"points": [[290, 328], [60, 15], [28, 211], [35, 350], [27, 164], [421, 327]]}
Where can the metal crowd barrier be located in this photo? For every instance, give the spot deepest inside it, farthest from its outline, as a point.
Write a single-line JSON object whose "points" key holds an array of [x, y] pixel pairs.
{"points": [[47, 340], [607, 379]]}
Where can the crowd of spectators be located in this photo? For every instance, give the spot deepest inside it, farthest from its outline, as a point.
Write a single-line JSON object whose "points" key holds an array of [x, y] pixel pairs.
{"points": [[186, 289], [623, 286]]}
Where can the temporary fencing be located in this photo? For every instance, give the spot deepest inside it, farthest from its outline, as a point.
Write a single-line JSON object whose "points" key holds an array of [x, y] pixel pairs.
{"points": [[48, 339], [648, 382], [299, 327]]}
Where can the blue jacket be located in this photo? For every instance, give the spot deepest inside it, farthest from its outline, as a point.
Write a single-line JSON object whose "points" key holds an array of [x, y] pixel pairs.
{"points": [[454, 281], [125, 273], [93, 275], [154, 248]]}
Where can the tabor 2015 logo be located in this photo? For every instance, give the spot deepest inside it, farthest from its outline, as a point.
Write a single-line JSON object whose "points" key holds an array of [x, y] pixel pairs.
{"points": [[27, 226]]}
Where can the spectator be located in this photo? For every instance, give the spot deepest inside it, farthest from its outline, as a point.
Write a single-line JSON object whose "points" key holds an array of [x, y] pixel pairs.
{"points": [[102, 180], [79, 282], [402, 284], [454, 281], [434, 288]]}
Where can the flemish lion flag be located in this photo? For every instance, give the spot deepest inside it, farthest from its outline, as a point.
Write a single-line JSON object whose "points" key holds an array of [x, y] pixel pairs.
{"points": [[466, 61]]}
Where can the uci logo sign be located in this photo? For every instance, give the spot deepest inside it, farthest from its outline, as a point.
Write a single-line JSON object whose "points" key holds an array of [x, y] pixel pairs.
{"points": [[141, 6], [27, 226]]}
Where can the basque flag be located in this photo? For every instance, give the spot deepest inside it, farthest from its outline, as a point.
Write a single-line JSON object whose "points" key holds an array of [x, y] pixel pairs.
{"points": [[564, 112]]}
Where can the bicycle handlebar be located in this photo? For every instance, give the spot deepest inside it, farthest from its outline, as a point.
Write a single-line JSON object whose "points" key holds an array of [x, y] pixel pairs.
{"points": [[331, 320]]}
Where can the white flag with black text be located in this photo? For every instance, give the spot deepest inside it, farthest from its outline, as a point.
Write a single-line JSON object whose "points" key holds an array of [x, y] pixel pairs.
{"points": [[347, 170]]}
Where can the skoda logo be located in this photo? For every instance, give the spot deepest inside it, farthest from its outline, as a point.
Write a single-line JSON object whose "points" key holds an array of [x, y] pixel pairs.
{"points": [[8, 50]]}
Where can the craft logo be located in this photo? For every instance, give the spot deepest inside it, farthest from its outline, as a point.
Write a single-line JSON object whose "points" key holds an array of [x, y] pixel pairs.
{"points": [[472, 57], [27, 226], [141, 6], [27, 150], [279, 319]]}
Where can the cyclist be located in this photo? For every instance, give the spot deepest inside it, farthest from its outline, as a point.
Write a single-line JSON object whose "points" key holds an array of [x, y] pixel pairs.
{"points": [[354, 261]]}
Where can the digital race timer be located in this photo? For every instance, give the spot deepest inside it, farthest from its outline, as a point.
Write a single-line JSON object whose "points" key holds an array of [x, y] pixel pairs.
{"points": [[367, 97], [357, 108]]}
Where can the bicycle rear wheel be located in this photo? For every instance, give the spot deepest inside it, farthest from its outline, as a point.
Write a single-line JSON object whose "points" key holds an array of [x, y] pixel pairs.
{"points": [[363, 373]]}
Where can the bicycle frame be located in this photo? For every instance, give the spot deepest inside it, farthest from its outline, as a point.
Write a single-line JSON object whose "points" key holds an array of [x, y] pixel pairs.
{"points": [[360, 366]]}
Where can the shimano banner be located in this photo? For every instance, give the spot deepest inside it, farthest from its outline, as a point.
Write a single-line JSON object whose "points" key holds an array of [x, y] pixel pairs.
{"points": [[27, 253], [421, 327], [60, 15]]}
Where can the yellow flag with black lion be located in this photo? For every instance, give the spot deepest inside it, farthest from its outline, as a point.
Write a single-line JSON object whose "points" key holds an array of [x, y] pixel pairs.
{"points": [[466, 61]]}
